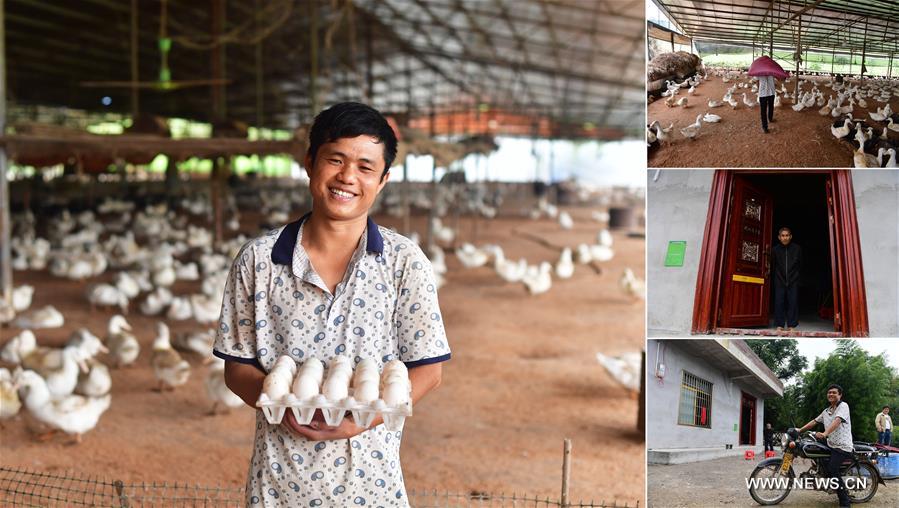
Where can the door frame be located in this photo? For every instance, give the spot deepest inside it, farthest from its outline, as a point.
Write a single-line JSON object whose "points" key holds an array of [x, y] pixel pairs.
{"points": [[849, 294], [755, 404]]}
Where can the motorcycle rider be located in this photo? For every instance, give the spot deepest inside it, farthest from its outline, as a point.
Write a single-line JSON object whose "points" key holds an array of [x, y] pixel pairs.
{"points": [[838, 431]]}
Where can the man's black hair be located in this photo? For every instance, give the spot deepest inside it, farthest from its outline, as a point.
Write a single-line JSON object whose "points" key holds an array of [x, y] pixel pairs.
{"points": [[839, 389], [348, 120], [781, 230], [884, 407]]}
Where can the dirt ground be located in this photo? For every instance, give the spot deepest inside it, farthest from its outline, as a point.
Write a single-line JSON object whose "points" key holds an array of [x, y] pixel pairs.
{"points": [[523, 377], [800, 139], [722, 482]]}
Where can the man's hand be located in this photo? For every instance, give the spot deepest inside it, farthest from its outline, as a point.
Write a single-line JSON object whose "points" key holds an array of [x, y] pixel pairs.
{"points": [[318, 430], [820, 435]]}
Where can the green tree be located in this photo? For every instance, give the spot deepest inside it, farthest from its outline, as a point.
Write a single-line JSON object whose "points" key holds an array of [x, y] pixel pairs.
{"points": [[780, 355], [866, 380]]}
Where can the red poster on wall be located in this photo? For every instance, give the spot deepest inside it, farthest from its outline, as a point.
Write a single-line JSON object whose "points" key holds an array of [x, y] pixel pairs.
{"points": [[702, 416]]}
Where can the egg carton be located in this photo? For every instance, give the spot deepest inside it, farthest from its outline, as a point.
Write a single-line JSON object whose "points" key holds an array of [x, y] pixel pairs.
{"points": [[334, 412]]}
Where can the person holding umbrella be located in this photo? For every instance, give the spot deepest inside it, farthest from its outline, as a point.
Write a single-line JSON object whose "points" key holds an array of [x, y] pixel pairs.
{"points": [[766, 70]]}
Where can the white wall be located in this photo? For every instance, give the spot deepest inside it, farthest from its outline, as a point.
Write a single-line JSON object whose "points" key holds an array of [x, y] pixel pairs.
{"points": [[662, 399]]}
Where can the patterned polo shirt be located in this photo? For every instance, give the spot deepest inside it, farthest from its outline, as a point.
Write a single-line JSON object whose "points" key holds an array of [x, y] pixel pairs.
{"points": [[842, 437], [384, 308]]}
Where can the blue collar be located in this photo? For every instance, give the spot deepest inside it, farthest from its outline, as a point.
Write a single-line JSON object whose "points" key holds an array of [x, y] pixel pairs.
{"points": [[282, 251]]}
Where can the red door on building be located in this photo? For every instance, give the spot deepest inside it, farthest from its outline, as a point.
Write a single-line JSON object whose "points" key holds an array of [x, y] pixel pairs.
{"points": [[747, 419], [746, 282]]}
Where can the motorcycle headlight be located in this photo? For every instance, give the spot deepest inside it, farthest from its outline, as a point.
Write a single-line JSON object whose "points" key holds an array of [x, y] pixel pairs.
{"points": [[784, 439]]}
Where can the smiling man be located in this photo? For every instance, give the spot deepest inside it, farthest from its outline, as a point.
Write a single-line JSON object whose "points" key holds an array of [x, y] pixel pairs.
{"points": [[838, 433], [332, 283]]}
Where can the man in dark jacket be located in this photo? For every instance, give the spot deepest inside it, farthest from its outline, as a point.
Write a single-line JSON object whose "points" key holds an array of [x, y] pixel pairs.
{"points": [[787, 261]]}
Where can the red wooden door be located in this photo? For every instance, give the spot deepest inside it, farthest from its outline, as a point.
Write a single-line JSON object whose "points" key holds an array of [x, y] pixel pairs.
{"points": [[836, 261], [747, 419], [746, 281]]}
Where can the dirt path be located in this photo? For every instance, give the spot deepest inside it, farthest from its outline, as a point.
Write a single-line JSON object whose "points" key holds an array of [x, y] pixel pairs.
{"points": [[722, 482], [800, 139], [523, 377]]}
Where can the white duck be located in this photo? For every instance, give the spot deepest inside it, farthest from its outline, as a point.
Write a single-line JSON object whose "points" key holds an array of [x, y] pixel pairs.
{"points": [[861, 159], [749, 102], [19, 347], [216, 389], [624, 369], [692, 130], [891, 163], [205, 309], [168, 366], [508, 270], [45, 317], [538, 280], [107, 295], [21, 297], [565, 220], [710, 118], [180, 309], [96, 382], [58, 367], [74, 414], [631, 285], [601, 253], [604, 238], [123, 345], [715, 104], [583, 254], [156, 301], [892, 126], [9, 396], [470, 256], [199, 342], [127, 284], [841, 132], [565, 266]]}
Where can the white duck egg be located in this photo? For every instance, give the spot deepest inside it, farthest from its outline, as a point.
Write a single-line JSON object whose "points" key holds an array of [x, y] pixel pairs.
{"points": [[335, 389], [396, 394], [366, 391], [305, 387]]}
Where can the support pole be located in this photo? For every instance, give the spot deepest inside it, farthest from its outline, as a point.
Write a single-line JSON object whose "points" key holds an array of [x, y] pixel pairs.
{"points": [[218, 115], [432, 213], [771, 45], [566, 471], [833, 56], [641, 415], [135, 55], [5, 225], [672, 42], [890, 66], [798, 57], [864, 50], [260, 90], [407, 188], [313, 57]]}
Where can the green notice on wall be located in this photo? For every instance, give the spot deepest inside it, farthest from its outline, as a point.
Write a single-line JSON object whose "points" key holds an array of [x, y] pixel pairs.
{"points": [[675, 254], [735, 427]]}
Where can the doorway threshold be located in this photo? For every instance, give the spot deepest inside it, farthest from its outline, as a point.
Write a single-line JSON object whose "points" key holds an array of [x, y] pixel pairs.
{"points": [[774, 333]]}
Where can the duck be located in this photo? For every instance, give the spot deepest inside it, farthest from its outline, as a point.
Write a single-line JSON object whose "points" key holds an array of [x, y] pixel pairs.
{"points": [[538, 280], [127, 284], [470, 256], [891, 125], [123, 345], [683, 102], [601, 253], [507, 270], [710, 118], [777, 101], [749, 102], [73, 414], [438, 260], [692, 130], [169, 368], [186, 271], [205, 309], [156, 302], [45, 317], [604, 238], [21, 297], [565, 265], [216, 389], [625, 369], [691, 91], [841, 132], [631, 285], [878, 116], [19, 347], [10, 404], [863, 160], [59, 368], [180, 309], [95, 382], [583, 254], [565, 220], [107, 295], [733, 102], [662, 134], [199, 342], [891, 163], [715, 104]]}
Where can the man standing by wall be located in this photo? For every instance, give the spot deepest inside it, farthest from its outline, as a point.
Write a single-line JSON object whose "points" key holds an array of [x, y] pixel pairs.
{"points": [[884, 425], [787, 261]]}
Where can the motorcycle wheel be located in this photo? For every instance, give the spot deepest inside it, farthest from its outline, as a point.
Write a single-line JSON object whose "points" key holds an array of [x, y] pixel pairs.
{"points": [[863, 470], [770, 496]]}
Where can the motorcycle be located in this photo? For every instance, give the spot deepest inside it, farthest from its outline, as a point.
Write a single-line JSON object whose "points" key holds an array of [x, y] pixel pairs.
{"points": [[861, 466]]}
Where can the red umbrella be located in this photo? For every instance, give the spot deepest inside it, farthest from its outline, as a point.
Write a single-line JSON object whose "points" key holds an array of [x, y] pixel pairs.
{"points": [[765, 66]]}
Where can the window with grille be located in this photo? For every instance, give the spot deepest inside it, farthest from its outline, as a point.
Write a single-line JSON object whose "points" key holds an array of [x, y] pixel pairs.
{"points": [[695, 402]]}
